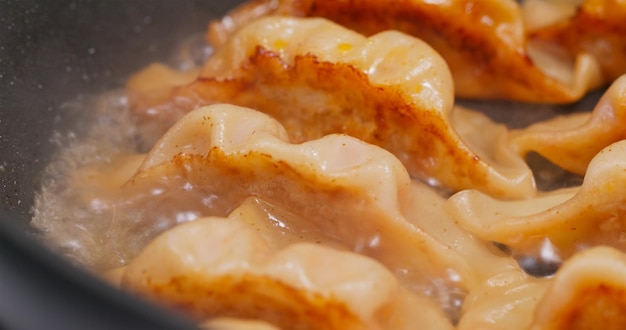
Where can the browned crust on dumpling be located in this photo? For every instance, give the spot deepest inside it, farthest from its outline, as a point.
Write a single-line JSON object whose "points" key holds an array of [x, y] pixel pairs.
{"points": [[587, 292], [487, 61], [597, 28], [279, 182], [346, 103], [251, 297], [597, 306]]}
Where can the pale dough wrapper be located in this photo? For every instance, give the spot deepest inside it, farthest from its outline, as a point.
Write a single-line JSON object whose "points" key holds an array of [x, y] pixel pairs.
{"points": [[317, 78], [483, 41], [571, 141], [509, 299], [594, 27], [588, 292], [347, 190], [569, 219], [505, 301], [220, 267], [503, 296]]}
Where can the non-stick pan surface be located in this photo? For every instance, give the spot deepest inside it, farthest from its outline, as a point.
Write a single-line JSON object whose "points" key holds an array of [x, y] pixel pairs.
{"points": [[52, 52]]}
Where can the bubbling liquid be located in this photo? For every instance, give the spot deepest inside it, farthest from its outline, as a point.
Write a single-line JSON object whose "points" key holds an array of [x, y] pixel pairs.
{"points": [[96, 132], [101, 130]]}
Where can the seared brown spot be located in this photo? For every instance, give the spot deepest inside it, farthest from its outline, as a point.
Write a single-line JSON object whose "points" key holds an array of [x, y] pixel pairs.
{"points": [[598, 28], [314, 98], [483, 64], [595, 307], [254, 297]]}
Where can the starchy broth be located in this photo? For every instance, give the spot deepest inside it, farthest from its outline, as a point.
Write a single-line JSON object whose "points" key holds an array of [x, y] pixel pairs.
{"points": [[335, 219]]}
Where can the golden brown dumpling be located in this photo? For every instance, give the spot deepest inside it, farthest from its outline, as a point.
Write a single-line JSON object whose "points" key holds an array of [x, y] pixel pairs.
{"points": [[342, 189], [483, 42], [571, 141], [317, 78], [595, 27], [566, 220], [219, 267], [588, 292]]}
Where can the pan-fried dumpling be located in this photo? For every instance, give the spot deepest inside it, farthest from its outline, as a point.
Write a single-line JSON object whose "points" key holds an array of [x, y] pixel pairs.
{"points": [[483, 42], [428, 210], [571, 141], [588, 292], [503, 296], [505, 301], [294, 61], [318, 78], [345, 189], [568, 220], [595, 27], [220, 267]]}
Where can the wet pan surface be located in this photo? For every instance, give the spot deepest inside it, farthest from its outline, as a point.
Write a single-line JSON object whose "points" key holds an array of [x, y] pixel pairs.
{"points": [[52, 52]]}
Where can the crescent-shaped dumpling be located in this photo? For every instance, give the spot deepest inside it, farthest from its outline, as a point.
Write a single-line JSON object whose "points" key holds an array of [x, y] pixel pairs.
{"points": [[483, 41], [317, 78], [344, 189], [219, 267], [588, 292], [571, 141], [594, 27], [569, 219]]}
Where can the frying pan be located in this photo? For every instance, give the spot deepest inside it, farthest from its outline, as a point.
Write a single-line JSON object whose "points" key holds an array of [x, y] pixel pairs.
{"points": [[52, 52]]}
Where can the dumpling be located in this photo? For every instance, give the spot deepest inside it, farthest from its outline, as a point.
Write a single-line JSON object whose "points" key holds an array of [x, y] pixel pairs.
{"points": [[505, 301], [595, 27], [317, 78], [565, 220], [218, 267], [571, 141], [428, 211], [503, 295], [588, 292], [344, 189], [306, 69], [483, 42]]}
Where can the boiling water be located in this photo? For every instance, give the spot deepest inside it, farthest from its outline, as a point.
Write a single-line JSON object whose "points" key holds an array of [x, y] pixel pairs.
{"points": [[97, 132], [101, 129]]}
